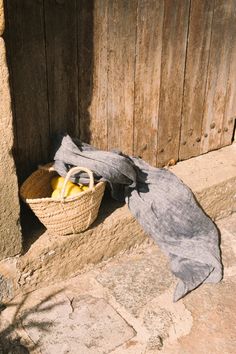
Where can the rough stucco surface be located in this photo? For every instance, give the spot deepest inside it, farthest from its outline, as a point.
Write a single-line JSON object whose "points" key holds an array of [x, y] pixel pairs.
{"points": [[1, 18], [10, 235]]}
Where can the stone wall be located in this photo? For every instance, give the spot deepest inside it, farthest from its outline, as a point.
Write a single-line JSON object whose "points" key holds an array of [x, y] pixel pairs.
{"points": [[1, 18], [10, 233]]}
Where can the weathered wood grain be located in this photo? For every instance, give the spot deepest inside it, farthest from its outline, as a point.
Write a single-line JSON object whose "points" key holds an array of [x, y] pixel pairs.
{"points": [[218, 73], [121, 68], [121, 74], [147, 78], [61, 51], [174, 41], [85, 10], [98, 106], [25, 40], [199, 37], [230, 101]]}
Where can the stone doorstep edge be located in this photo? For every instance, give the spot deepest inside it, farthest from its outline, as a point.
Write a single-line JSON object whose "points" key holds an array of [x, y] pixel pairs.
{"points": [[52, 259], [219, 201]]}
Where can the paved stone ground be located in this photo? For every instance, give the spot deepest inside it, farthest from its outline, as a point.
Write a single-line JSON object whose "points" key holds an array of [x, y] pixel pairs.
{"points": [[124, 306]]}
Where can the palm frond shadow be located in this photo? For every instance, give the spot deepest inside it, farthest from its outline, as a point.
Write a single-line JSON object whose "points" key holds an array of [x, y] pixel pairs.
{"points": [[10, 341]]}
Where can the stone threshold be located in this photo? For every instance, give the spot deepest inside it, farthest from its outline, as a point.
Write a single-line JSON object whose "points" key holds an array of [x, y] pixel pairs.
{"points": [[212, 178]]}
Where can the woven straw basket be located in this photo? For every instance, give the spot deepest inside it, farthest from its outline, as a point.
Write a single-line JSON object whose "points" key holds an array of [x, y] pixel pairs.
{"points": [[62, 216]]}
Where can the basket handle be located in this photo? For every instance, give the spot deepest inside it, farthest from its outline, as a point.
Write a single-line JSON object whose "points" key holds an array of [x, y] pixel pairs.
{"points": [[74, 170]]}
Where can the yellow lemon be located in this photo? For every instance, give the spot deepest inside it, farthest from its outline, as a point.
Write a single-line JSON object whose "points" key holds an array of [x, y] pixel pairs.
{"points": [[58, 181], [85, 188], [72, 190], [56, 193]]}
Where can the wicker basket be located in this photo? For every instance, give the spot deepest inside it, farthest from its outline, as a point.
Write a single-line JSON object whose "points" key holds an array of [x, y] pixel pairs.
{"points": [[62, 216]]}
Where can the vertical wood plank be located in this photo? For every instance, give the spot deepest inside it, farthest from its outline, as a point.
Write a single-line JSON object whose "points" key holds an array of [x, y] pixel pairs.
{"points": [[230, 103], [98, 107], [175, 29], [121, 66], [25, 37], [147, 78], [218, 72], [85, 10], [61, 50], [199, 37]]}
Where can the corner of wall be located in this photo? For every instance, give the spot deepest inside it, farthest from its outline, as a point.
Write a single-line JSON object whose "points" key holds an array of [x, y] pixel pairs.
{"points": [[10, 232]]}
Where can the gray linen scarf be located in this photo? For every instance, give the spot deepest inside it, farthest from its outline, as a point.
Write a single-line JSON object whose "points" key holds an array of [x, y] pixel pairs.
{"points": [[163, 205]]}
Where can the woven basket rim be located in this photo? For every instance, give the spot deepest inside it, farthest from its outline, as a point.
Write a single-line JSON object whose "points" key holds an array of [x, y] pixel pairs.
{"points": [[65, 200], [63, 215]]}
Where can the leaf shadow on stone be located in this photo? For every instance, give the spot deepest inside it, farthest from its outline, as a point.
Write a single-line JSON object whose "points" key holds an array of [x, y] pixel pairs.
{"points": [[10, 339]]}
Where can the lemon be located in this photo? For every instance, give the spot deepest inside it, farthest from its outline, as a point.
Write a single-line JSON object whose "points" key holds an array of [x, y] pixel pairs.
{"points": [[56, 194], [57, 182], [85, 188], [69, 192], [72, 190]]}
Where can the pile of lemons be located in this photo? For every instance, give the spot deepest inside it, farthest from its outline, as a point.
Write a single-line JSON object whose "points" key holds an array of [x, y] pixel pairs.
{"points": [[72, 189]]}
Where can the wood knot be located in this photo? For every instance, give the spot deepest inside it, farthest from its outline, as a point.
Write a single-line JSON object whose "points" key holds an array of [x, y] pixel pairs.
{"points": [[171, 162]]}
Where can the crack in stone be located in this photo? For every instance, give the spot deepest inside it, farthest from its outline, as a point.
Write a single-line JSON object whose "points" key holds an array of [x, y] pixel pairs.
{"points": [[71, 304]]}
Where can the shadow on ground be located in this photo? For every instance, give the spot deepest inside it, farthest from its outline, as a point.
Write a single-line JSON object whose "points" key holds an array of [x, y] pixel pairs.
{"points": [[11, 341]]}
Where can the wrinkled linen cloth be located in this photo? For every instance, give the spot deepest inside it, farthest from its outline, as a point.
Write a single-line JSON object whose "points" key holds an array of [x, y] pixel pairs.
{"points": [[163, 205]]}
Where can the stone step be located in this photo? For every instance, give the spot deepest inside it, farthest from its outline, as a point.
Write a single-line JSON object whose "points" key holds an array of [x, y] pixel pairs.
{"points": [[212, 178], [125, 306]]}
